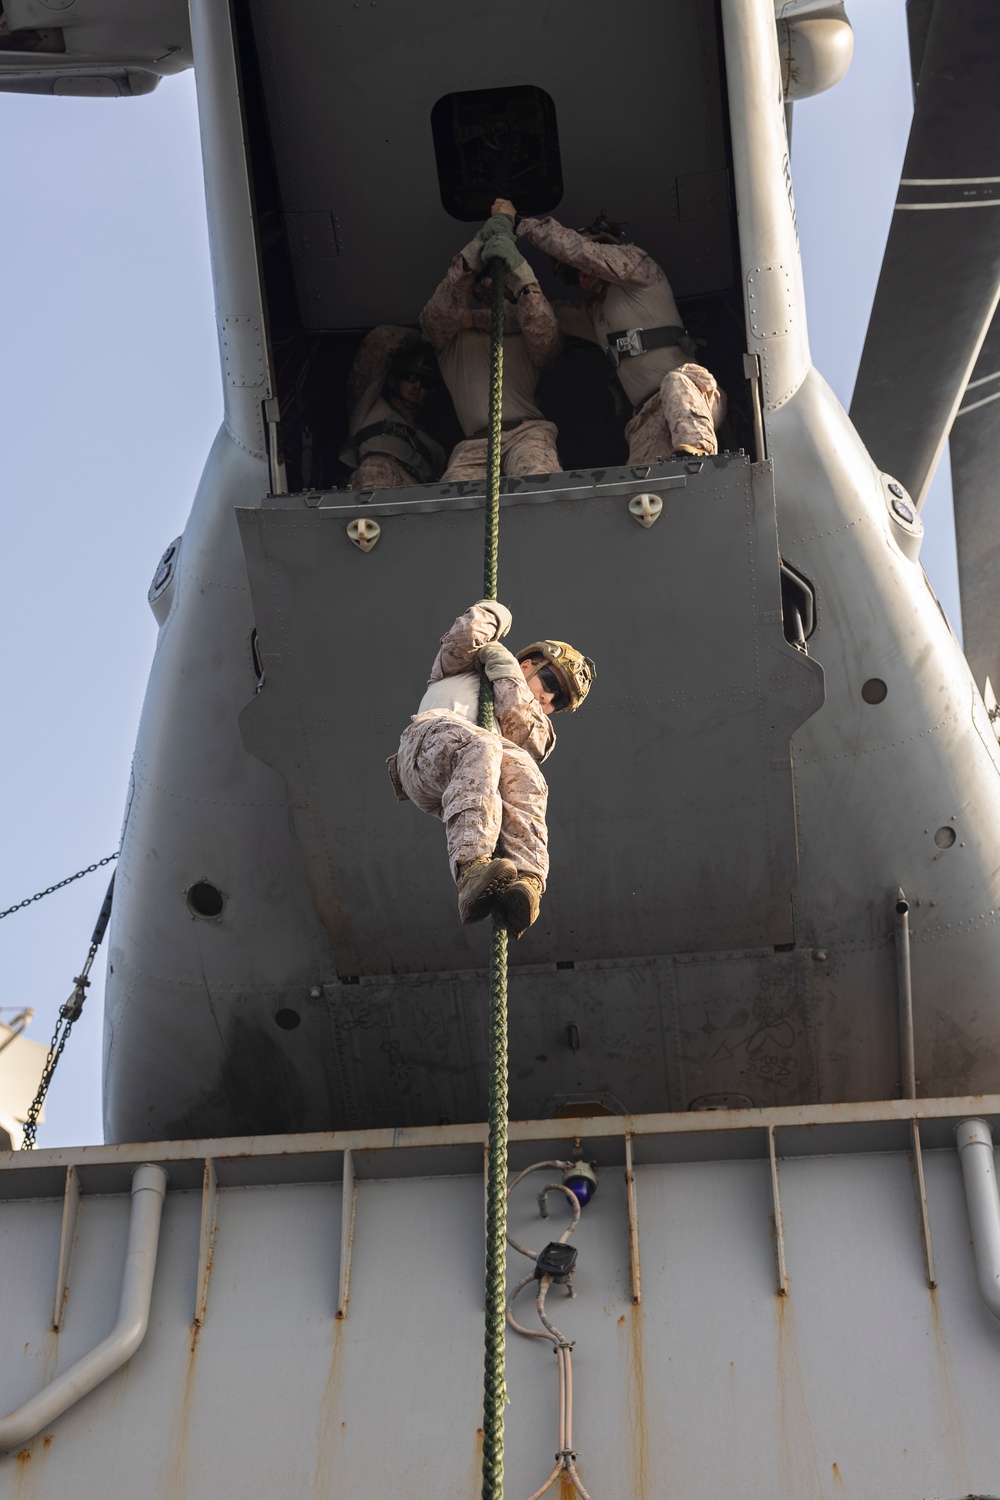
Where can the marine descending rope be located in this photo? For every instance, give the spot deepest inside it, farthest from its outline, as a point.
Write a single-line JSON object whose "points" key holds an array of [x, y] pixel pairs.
{"points": [[494, 1383]]}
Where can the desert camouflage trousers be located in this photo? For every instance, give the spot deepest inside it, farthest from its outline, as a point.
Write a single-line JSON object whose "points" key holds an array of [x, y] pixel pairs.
{"points": [[377, 471], [684, 412], [528, 449], [481, 786]]}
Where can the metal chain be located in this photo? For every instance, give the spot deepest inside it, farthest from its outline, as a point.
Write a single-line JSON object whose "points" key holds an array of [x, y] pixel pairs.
{"points": [[68, 1014], [59, 884], [495, 1386]]}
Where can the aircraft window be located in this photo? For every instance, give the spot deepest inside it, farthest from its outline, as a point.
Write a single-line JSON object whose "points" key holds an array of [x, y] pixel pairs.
{"points": [[38, 39], [493, 143], [205, 899], [798, 607], [258, 663]]}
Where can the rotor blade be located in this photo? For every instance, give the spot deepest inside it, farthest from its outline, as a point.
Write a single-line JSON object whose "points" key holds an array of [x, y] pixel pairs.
{"points": [[975, 478], [938, 285]]}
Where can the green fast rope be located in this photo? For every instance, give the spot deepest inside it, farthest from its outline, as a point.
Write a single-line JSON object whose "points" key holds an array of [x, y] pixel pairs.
{"points": [[495, 1386]]}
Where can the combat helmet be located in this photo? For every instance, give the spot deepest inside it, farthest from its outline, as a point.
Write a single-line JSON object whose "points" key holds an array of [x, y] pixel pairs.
{"points": [[574, 672], [603, 231], [416, 358]]}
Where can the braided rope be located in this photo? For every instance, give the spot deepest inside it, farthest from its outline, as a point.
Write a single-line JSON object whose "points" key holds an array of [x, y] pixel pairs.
{"points": [[494, 1385]]}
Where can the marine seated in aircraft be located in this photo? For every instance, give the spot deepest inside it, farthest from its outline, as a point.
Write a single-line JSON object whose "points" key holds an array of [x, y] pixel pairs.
{"points": [[485, 783], [456, 321], [392, 375], [631, 313]]}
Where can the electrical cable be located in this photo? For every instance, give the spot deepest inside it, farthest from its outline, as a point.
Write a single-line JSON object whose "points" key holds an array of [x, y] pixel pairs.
{"points": [[565, 1454]]}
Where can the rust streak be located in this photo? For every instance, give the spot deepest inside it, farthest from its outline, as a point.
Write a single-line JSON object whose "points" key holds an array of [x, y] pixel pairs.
{"points": [[798, 1468], [23, 1488], [639, 1451], [209, 1263], [174, 1474], [329, 1435], [477, 1463], [30, 1469], [951, 1406]]}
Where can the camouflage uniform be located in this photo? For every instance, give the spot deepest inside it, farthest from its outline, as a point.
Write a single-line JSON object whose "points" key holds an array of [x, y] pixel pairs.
{"points": [[385, 460], [461, 337], [676, 403], [682, 413], [484, 784]]}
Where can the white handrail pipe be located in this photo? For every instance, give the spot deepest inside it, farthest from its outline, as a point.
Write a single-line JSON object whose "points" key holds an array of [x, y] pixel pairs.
{"points": [[975, 1149], [149, 1186]]}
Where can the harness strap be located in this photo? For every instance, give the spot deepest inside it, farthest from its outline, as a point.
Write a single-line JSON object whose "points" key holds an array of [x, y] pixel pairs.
{"points": [[627, 343], [427, 457]]}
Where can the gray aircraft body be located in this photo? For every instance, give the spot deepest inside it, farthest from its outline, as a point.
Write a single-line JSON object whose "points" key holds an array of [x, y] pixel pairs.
{"points": [[786, 734], [773, 901]]}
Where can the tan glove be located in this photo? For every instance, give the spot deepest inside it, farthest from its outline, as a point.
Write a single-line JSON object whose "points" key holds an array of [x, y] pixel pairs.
{"points": [[472, 255], [496, 661], [500, 613]]}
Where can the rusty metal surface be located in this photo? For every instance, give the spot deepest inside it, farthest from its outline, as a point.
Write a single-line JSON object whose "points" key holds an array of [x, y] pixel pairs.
{"points": [[860, 1381], [262, 1160]]}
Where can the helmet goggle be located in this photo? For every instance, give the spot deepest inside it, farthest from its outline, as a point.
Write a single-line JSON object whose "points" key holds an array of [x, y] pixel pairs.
{"points": [[563, 671], [416, 364], [417, 377], [551, 683]]}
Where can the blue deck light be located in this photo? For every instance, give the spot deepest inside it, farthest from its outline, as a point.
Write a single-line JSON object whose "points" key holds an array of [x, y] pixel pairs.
{"points": [[581, 1179]]}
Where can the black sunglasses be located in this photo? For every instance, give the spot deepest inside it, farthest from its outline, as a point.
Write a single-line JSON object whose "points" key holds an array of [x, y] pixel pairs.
{"points": [[551, 684]]}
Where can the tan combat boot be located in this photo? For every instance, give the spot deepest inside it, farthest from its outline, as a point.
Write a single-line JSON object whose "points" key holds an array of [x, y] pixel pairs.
{"points": [[479, 882], [518, 903]]}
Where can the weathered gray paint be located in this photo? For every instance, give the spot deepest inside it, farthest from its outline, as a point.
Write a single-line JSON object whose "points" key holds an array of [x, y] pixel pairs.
{"points": [[687, 730], [111, 48], [860, 1382], [344, 183], [191, 1042]]}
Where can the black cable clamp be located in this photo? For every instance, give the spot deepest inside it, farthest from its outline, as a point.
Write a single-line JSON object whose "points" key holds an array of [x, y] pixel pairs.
{"points": [[557, 1261]]}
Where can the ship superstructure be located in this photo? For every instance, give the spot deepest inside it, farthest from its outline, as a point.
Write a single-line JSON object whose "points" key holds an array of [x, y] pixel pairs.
{"points": [[774, 886]]}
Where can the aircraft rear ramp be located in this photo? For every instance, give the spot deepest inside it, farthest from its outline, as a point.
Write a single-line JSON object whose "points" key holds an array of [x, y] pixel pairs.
{"points": [[688, 729]]}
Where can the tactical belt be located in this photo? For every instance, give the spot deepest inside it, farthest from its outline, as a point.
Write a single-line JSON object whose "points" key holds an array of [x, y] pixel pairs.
{"points": [[426, 454], [508, 426], [628, 342]]}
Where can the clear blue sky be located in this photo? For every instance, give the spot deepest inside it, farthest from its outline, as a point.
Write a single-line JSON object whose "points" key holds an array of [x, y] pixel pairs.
{"points": [[110, 400]]}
